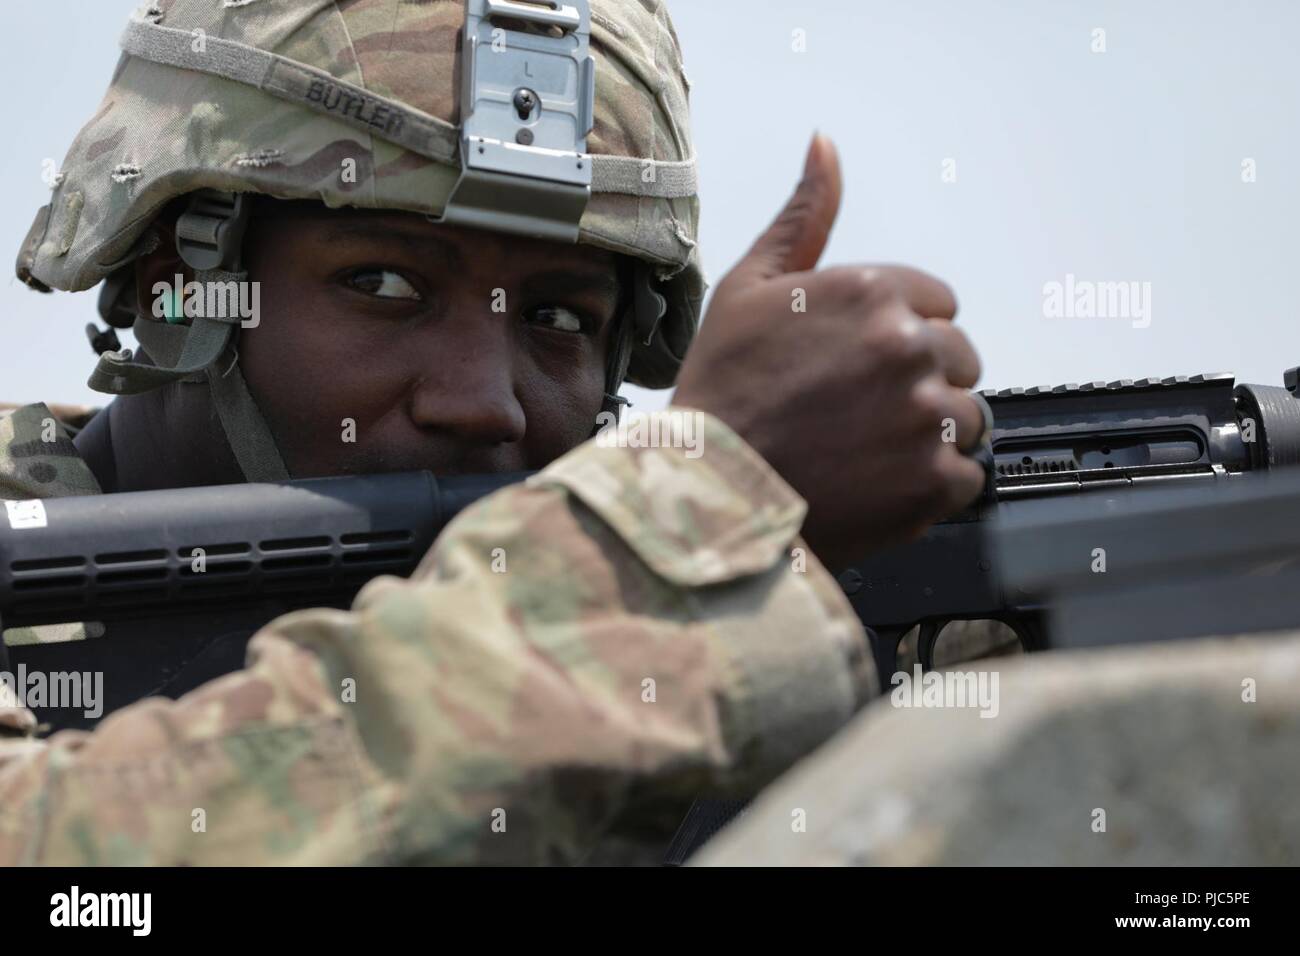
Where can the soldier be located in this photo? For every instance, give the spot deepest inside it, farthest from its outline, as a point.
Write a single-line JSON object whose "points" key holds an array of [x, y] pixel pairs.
{"points": [[655, 635]]}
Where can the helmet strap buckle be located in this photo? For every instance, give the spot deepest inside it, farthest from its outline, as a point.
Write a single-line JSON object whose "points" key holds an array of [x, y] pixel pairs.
{"points": [[210, 233]]}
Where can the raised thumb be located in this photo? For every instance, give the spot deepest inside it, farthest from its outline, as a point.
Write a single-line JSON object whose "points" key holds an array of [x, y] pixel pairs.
{"points": [[798, 236]]}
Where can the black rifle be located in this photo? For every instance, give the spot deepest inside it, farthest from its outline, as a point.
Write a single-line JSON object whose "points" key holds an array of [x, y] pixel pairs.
{"points": [[1051, 446], [182, 578]]}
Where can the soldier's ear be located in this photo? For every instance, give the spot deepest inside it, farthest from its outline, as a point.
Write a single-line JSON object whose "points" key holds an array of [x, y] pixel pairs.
{"points": [[161, 265]]}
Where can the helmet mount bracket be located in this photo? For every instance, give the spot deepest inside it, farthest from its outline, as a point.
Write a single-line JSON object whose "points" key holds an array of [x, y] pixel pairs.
{"points": [[527, 105]]}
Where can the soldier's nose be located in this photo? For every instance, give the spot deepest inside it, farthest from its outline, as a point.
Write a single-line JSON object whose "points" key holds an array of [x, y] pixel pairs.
{"points": [[471, 396]]}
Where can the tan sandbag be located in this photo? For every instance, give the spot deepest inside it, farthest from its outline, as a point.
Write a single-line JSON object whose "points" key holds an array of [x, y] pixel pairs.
{"points": [[1181, 753]]}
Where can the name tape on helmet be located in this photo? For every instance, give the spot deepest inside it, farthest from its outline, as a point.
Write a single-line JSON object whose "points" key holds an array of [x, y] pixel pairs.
{"points": [[381, 116]]}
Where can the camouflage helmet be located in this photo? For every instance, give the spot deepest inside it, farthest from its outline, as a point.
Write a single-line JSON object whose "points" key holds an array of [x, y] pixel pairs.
{"points": [[368, 103]]}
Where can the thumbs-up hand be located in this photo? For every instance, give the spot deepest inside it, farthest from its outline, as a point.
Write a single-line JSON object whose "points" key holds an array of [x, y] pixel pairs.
{"points": [[851, 381]]}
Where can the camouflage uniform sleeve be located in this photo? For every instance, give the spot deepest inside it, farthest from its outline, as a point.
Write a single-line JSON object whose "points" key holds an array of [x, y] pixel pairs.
{"points": [[628, 629], [37, 456], [39, 460]]}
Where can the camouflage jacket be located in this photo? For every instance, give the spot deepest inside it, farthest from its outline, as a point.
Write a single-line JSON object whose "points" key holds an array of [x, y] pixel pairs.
{"points": [[39, 460], [651, 638]]}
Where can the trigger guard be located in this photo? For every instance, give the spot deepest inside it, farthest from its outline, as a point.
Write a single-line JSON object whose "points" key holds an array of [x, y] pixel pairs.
{"points": [[926, 641]]}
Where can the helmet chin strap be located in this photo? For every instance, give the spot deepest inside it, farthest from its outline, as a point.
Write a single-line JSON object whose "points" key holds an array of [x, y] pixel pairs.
{"points": [[640, 310], [209, 235], [612, 405], [210, 239]]}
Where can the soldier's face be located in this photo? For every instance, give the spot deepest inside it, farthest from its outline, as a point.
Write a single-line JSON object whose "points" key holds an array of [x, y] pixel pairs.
{"points": [[389, 343]]}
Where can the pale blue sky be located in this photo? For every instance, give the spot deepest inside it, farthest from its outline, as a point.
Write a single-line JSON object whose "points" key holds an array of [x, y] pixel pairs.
{"points": [[1114, 166]]}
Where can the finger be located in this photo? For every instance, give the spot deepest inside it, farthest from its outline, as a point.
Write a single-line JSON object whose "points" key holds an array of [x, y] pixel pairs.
{"points": [[920, 291], [957, 357], [963, 422], [965, 482], [797, 237], [925, 294]]}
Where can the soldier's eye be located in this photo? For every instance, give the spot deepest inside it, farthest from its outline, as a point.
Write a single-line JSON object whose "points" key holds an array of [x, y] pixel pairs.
{"points": [[384, 283], [555, 317]]}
